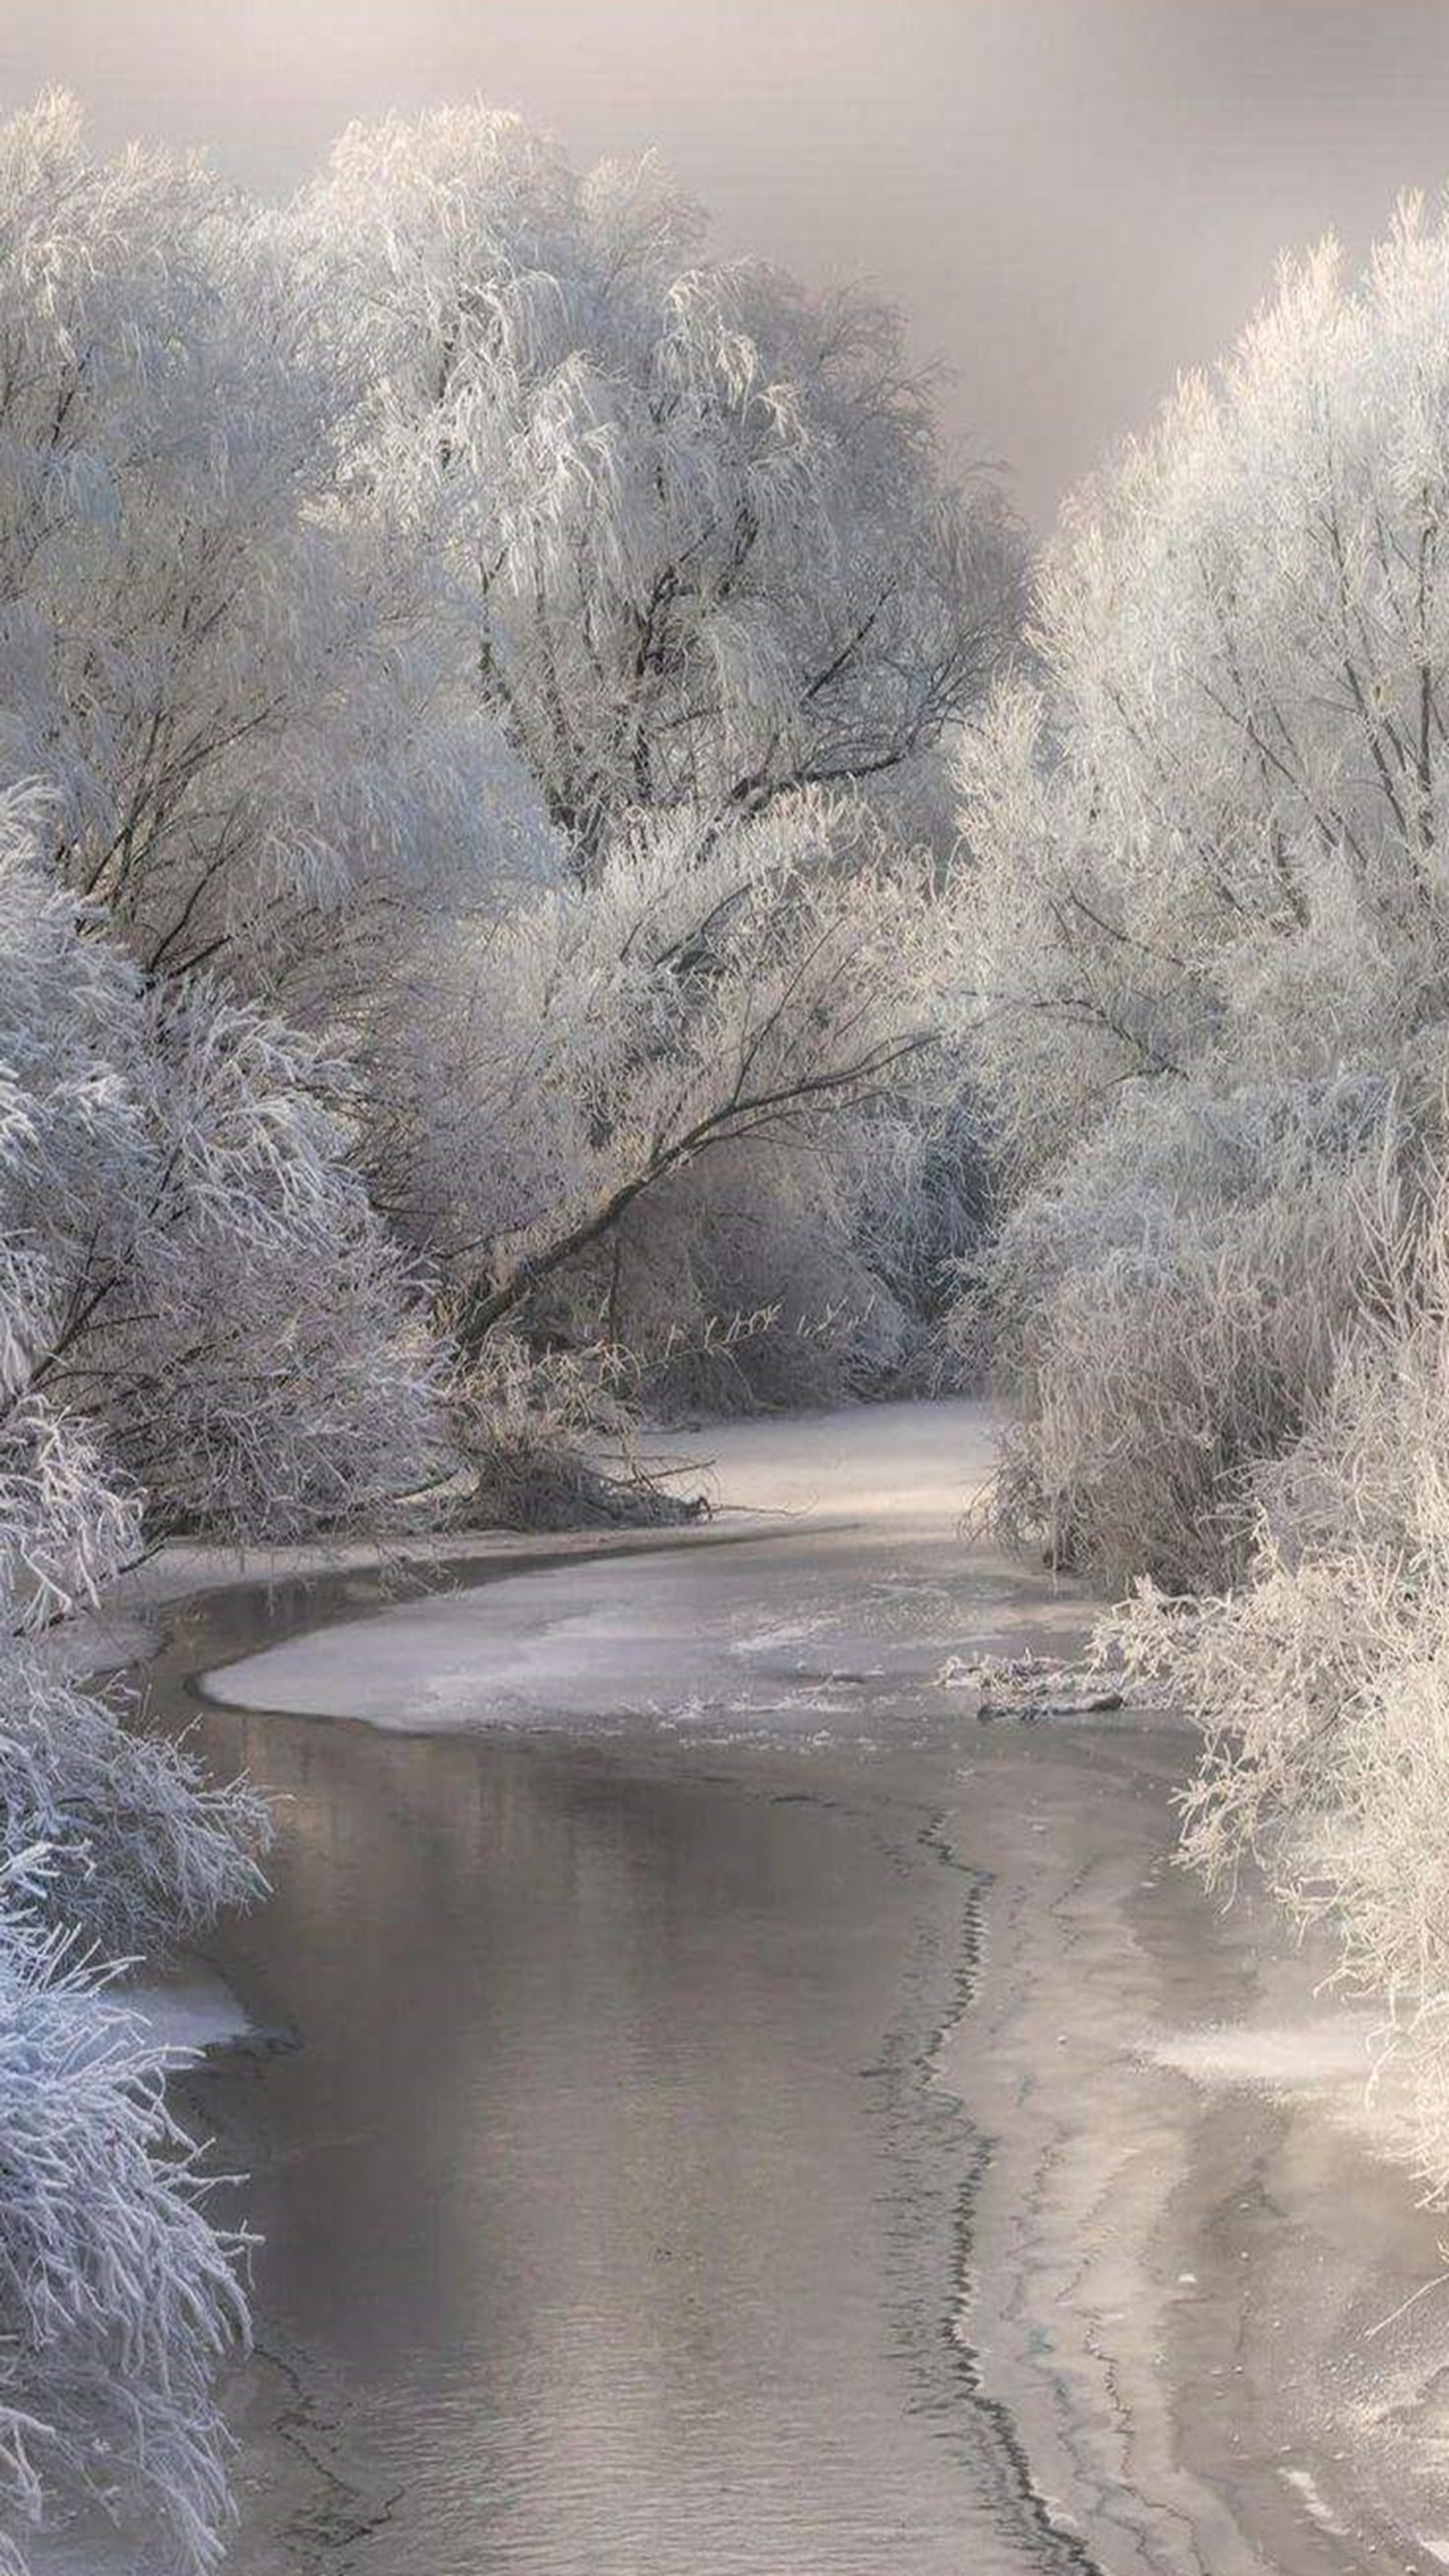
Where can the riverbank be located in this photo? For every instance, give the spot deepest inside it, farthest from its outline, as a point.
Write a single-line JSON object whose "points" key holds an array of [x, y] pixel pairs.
{"points": [[1197, 2321]]}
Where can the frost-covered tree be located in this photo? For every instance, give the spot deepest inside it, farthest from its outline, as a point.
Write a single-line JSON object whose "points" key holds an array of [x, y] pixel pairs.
{"points": [[1208, 882], [367, 571], [696, 516], [191, 1265], [706, 999], [146, 1171], [247, 710], [716, 593]]}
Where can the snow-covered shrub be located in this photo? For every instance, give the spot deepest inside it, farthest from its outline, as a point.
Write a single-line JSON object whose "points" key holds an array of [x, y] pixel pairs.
{"points": [[190, 1271], [118, 2298], [1322, 1680], [142, 1848], [808, 1267], [924, 1195], [549, 1442], [739, 1282], [1171, 1311], [278, 1369]]}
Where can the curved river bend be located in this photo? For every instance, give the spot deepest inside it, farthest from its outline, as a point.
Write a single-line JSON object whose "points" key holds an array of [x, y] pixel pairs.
{"points": [[617, 2218]]}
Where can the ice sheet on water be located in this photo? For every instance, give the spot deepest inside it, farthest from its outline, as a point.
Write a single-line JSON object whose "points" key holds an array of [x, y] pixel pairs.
{"points": [[804, 1624]]}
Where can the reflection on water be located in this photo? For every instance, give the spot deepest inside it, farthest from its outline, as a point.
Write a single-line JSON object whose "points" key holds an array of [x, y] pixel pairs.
{"points": [[612, 2218]]}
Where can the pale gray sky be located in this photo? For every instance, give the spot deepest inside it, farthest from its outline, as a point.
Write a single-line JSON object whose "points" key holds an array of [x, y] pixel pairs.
{"points": [[1071, 199]]}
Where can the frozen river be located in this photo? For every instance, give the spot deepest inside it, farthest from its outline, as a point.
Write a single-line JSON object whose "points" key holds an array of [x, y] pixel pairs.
{"points": [[613, 2212], [725, 2121]]}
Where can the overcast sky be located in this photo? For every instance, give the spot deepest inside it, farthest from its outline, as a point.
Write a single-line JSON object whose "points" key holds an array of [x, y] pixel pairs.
{"points": [[1071, 199]]}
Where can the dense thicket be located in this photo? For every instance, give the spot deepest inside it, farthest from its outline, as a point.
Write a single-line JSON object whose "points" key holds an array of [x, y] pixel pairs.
{"points": [[1212, 962], [1210, 890]]}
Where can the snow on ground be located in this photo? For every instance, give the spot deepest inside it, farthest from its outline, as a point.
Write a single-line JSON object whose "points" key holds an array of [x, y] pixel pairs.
{"points": [[919, 1463]]}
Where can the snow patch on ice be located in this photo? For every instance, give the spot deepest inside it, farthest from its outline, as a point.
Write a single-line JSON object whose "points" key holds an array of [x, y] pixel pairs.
{"points": [[1342, 2048], [1306, 2485], [187, 2015], [920, 1463]]}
